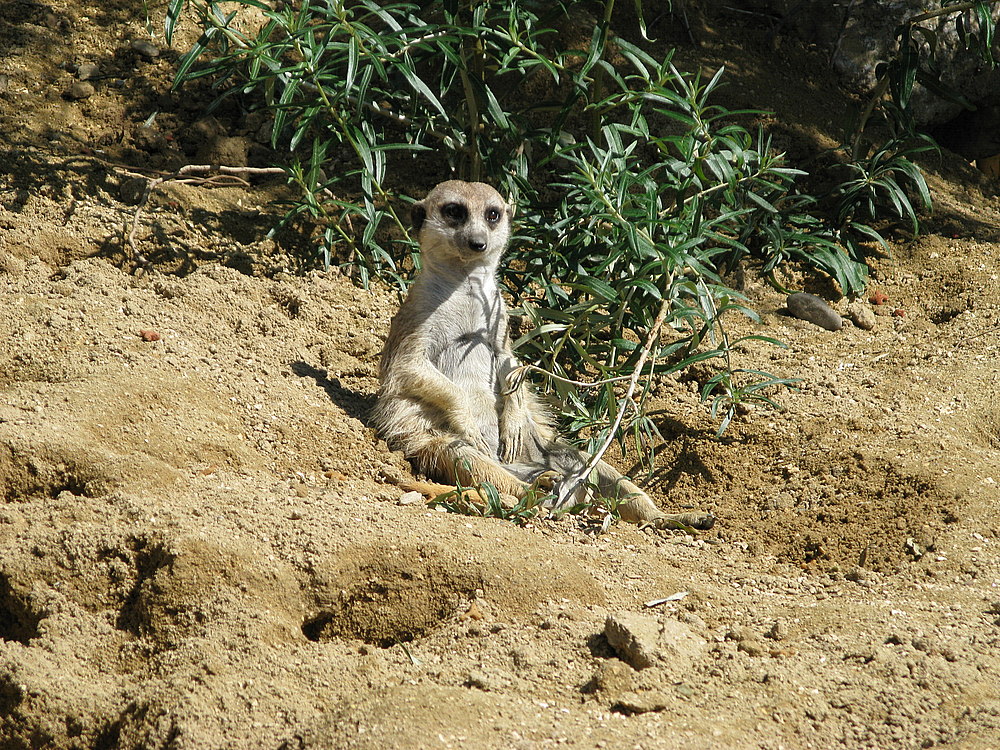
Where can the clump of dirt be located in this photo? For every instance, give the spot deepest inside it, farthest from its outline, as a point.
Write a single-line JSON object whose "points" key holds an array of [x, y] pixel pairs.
{"points": [[199, 547]]}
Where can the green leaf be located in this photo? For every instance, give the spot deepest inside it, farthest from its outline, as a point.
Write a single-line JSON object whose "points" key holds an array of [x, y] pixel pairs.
{"points": [[929, 36], [173, 14], [188, 59]]}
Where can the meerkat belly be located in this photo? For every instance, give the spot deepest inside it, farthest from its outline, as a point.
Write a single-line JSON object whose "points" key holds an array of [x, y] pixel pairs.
{"points": [[470, 362]]}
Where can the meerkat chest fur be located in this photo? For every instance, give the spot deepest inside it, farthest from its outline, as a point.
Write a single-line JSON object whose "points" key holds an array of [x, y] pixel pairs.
{"points": [[463, 229], [469, 333]]}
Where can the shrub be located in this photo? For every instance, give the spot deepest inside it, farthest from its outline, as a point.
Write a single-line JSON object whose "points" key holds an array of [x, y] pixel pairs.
{"points": [[635, 193]]}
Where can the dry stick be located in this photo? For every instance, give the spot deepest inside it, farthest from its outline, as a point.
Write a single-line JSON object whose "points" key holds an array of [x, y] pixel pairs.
{"points": [[179, 175], [566, 489]]}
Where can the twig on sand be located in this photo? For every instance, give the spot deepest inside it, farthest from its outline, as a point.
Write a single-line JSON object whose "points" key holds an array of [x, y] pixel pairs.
{"points": [[217, 176]]}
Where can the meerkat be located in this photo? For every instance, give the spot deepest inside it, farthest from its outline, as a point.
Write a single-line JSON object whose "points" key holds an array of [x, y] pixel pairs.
{"points": [[444, 399]]}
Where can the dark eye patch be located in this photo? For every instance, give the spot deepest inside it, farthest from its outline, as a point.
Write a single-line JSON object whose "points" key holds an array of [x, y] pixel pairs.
{"points": [[455, 212]]}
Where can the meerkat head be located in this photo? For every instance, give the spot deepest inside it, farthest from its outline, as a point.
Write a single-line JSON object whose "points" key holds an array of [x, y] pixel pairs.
{"points": [[463, 222]]}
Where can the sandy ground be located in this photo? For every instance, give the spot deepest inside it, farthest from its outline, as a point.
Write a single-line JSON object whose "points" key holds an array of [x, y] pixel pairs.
{"points": [[198, 548]]}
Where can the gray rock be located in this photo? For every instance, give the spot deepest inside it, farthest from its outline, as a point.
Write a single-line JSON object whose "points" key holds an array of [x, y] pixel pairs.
{"points": [[145, 48], [4, 83], [809, 307], [88, 72], [861, 315], [80, 90], [634, 638], [859, 35]]}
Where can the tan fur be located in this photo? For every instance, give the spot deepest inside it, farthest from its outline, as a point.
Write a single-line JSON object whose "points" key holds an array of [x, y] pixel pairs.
{"points": [[442, 399]]}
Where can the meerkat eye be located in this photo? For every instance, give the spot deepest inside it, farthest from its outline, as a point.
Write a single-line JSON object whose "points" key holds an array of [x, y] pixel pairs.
{"points": [[493, 215], [454, 211]]}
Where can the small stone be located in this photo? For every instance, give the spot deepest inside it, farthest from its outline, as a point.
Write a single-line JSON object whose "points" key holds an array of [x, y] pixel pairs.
{"points": [[679, 644], [145, 48], [11, 264], [149, 335], [861, 315], [523, 657], [478, 680], [750, 648], [149, 139], [613, 677], [685, 691], [410, 498], [131, 190], [80, 90], [88, 72], [811, 308], [746, 640], [778, 631], [633, 637], [4, 83], [639, 703]]}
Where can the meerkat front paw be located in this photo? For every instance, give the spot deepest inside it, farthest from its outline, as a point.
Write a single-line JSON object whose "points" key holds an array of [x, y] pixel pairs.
{"points": [[547, 480]]}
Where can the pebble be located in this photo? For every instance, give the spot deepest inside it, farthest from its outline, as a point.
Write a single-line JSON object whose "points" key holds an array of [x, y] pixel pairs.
{"points": [[778, 631], [11, 264], [811, 308], [746, 640], [633, 637], [410, 498], [4, 83], [479, 680], [145, 48], [613, 677], [679, 643], [639, 703], [88, 72], [861, 315], [80, 90], [149, 139], [132, 189]]}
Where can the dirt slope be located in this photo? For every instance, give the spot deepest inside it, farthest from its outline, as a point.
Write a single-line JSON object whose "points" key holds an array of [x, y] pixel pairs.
{"points": [[198, 548]]}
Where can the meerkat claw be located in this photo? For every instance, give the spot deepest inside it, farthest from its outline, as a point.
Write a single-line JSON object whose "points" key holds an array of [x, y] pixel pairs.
{"points": [[547, 480]]}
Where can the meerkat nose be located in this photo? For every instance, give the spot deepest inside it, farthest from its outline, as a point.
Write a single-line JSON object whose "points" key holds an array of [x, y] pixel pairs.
{"points": [[477, 245]]}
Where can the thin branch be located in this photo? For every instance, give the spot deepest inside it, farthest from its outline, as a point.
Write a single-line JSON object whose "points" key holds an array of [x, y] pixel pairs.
{"points": [[182, 175], [568, 487], [516, 376]]}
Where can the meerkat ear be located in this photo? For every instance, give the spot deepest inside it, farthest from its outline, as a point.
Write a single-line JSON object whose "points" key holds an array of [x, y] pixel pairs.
{"points": [[417, 215]]}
